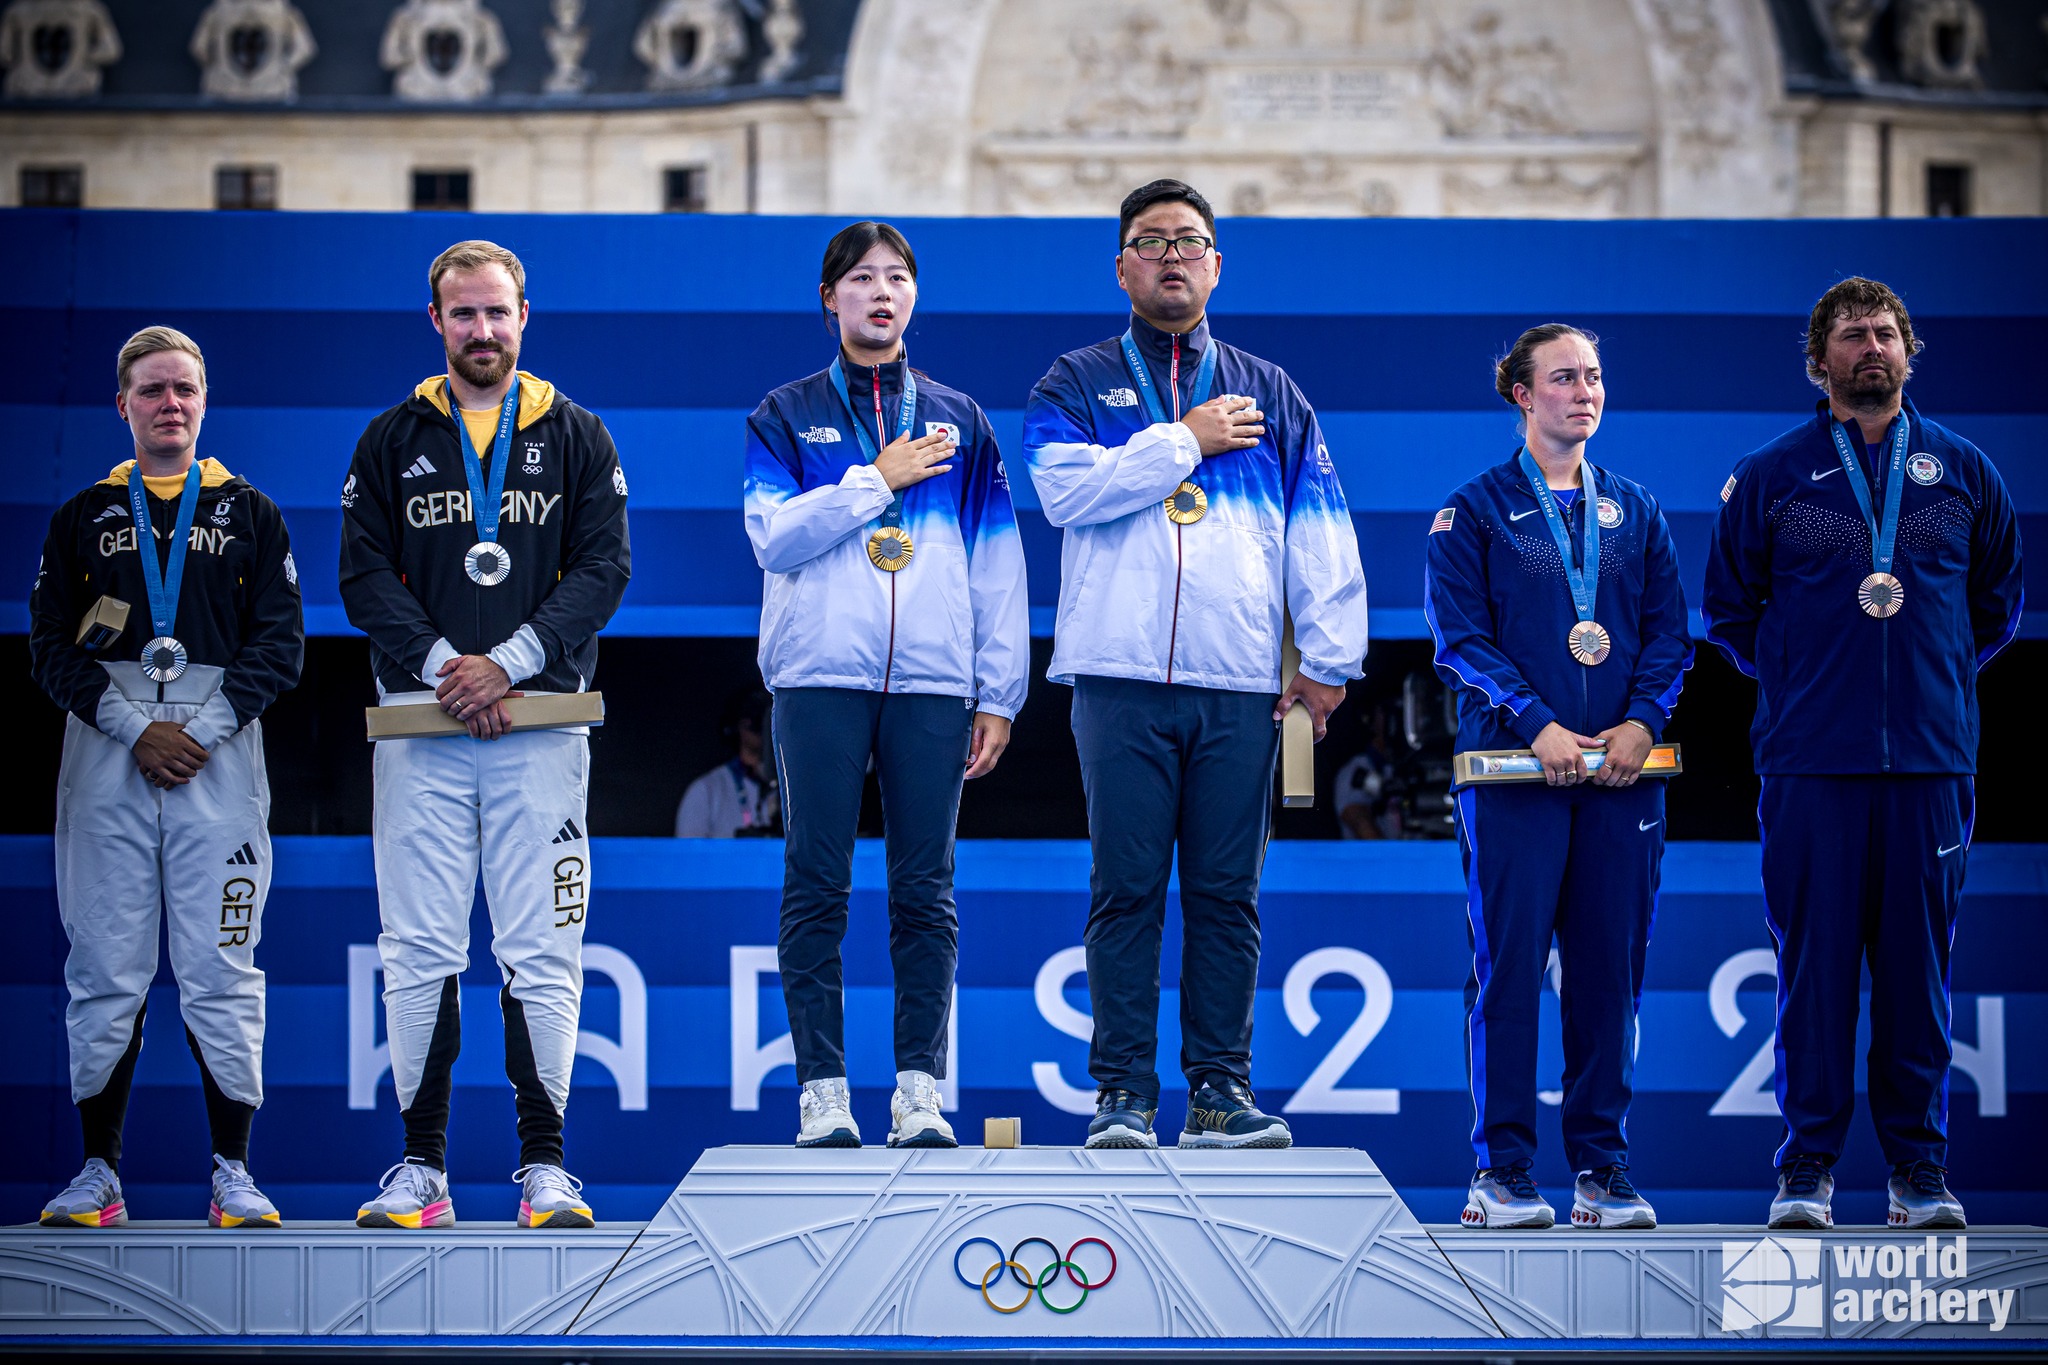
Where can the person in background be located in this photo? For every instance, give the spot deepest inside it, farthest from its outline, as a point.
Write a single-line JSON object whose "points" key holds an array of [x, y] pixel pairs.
{"points": [[738, 797]]}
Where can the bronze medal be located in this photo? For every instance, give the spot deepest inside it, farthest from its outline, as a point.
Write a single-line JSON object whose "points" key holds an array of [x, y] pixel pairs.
{"points": [[1880, 595], [1186, 504], [889, 548], [1589, 642]]}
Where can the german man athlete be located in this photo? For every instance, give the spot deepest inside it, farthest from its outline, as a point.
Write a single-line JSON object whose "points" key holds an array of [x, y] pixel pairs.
{"points": [[1865, 565], [483, 547], [1552, 596], [894, 629], [163, 804], [1200, 508]]}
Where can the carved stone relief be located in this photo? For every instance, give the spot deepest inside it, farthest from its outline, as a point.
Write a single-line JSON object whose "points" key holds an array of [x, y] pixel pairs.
{"points": [[691, 44], [1245, 22], [252, 49], [783, 29], [1485, 82], [1537, 189], [55, 49], [567, 40], [443, 50], [1941, 42], [1320, 186], [1850, 22], [1133, 81]]}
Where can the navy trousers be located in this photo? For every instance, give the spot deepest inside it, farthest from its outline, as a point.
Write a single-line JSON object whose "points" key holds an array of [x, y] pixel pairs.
{"points": [[1855, 869], [1579, 865], [1162, 765], [824, 737]]}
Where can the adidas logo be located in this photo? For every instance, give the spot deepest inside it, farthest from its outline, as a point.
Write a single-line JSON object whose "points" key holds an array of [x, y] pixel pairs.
{"points": [[567, 834], [244, 856], [422, 465], [109, 512]]}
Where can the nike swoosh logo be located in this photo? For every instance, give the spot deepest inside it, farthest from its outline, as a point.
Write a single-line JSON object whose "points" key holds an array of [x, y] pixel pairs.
{"points": [[1820, 474], [1651, 825], [1944, 852], [1517, 516]]}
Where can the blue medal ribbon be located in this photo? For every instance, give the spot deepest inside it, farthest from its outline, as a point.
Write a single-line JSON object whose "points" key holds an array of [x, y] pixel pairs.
{"points": [[485, 507], [1205, 374], [906, 414], [1583, 577], [163, 583], [1882, 538]]}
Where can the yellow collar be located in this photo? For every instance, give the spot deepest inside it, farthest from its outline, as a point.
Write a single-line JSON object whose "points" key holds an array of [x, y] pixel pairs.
{"points": [[212, 474], [536, 396]]}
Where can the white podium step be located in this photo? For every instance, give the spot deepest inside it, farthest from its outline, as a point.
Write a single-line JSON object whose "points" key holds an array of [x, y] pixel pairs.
{"points": [[872, 1245]]}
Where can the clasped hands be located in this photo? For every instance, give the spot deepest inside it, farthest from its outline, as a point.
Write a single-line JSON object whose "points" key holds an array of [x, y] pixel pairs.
{"points": [[1562, 754]]}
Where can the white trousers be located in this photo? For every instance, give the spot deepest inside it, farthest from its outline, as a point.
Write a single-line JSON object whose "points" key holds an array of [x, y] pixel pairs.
{"points": [[129, 853], [514, 809]]}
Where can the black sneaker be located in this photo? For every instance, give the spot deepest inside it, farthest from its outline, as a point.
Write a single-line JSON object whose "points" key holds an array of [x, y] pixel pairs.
{"points": [[1227, 1116], [1806, 1194], [1122, 1119]]}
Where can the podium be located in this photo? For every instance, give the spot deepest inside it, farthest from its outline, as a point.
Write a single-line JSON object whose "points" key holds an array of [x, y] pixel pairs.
{"points": [[872, 1247]]}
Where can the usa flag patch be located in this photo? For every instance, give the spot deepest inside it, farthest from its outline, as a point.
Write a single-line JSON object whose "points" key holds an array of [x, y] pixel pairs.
{"points": [[1728, 489], [1443, 520]]}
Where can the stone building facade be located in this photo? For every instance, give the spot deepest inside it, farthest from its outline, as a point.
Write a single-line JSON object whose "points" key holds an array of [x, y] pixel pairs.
{"points": [[1491, 108]]}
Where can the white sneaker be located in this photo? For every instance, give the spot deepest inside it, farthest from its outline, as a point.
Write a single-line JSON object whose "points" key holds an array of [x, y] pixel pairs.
{"points": [[826, 1110], [551, 1198], [414, 1195], [914, 1118], [92, 1200], [236, 1200]]}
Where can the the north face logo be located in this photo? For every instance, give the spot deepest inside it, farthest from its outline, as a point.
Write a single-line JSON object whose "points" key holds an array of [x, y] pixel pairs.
{"points": [[819, 436], [1771, 1282], [1120, 398]]}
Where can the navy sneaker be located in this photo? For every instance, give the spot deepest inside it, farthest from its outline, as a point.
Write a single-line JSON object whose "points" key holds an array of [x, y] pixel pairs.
{"points": [[1505, 1197], [1122, 1119], [1604, 1198], [1806, 1194], [1920, 1198], [1226, 1116]]}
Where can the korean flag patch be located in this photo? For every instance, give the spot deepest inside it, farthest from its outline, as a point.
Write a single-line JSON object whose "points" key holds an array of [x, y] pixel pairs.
{"points": [[948, 429]]}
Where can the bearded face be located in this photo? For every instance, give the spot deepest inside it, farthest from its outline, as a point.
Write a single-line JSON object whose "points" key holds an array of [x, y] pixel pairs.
{"points": [[1866, 359]]}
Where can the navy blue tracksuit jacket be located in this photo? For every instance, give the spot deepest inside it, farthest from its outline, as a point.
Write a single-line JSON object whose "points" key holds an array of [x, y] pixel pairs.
{"points": [[1866, 738], [1578, 864]]}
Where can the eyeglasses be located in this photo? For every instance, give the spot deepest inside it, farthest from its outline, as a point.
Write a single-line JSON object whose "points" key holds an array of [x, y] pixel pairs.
{"points": [[1155, 248]]}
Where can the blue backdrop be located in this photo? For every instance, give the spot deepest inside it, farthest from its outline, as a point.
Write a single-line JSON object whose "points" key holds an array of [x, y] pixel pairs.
{"points": [[672, 328], [1358, 1037]]}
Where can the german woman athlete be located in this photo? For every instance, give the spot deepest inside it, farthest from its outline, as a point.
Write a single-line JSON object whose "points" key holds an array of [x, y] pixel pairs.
{"points": [[1552, 595], [1200, 507], [1865, 565], [483, 547], [163, 803], [894, 629]]}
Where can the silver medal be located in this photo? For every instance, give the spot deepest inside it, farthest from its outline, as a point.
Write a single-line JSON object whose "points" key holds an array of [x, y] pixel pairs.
{"points": [[487, 563], [163, 660]]}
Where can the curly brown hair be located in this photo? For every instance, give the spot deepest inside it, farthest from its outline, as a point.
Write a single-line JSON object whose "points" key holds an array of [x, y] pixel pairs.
{"points": [[1854, 297]]}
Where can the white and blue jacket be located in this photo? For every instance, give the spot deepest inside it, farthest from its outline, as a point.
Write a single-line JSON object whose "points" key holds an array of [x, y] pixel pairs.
{"points": [[1499, 608], [954, 621], [1202, 604]]}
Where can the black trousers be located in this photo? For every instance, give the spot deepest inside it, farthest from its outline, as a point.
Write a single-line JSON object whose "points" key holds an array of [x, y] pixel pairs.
{"points": [[1165, 764], [824, 737]]}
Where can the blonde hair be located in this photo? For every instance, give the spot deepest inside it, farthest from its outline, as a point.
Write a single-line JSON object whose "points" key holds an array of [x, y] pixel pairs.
{"points": [[474, 255], [150, 341]]}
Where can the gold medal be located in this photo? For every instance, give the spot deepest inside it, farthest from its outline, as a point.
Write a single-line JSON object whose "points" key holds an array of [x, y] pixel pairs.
{"points": [[889, 548], [1186, 504], [1589, 642], [1880, 595]]}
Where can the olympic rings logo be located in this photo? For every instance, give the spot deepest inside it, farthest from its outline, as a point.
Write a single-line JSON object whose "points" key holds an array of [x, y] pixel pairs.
{"points": [[1035, 1284]]}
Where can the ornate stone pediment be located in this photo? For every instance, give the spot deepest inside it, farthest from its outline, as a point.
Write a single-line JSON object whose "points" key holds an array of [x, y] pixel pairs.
{"points": [[55, 49], [251, 49], [442, 51], [691, 44]]}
